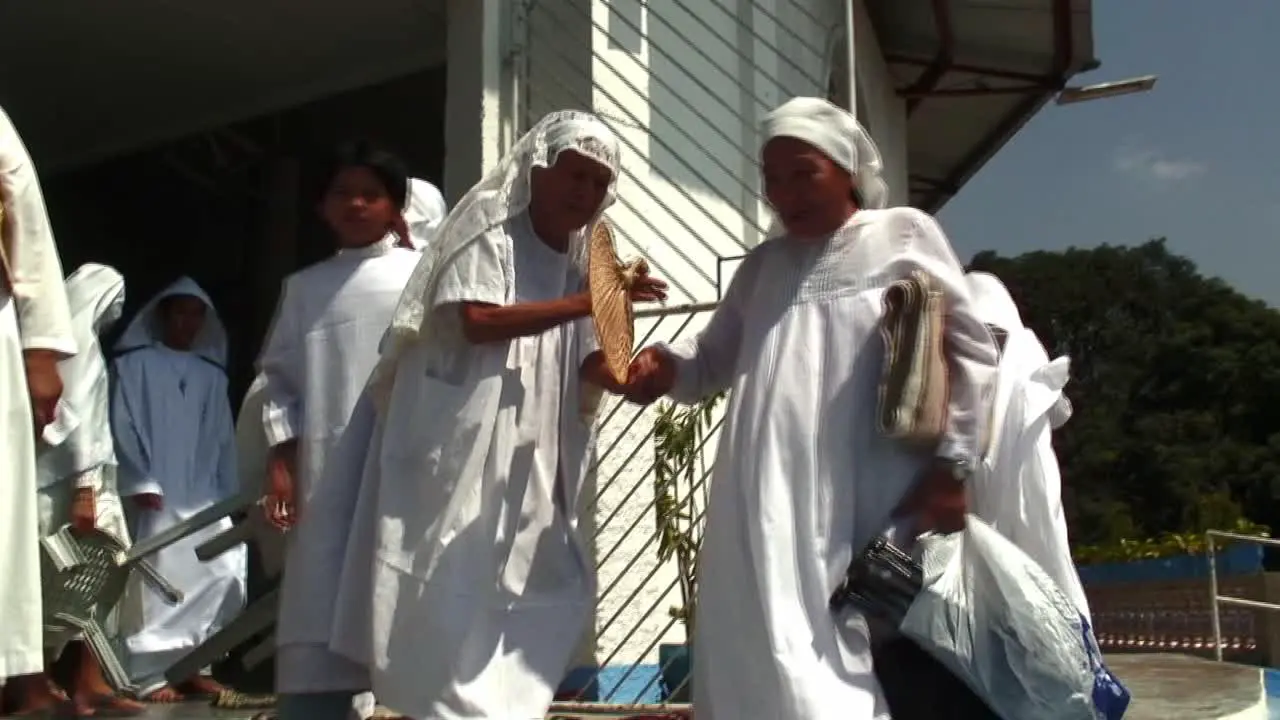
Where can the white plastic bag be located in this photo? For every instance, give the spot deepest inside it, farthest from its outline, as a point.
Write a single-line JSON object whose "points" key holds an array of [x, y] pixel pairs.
{"points": [[996, 620]]}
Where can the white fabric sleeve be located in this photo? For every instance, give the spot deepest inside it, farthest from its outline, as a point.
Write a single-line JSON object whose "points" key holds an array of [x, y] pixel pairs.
{"points": [[281, 364], [971, 352], [39, 294], [708, 362], [134, 476], [478, 273]]}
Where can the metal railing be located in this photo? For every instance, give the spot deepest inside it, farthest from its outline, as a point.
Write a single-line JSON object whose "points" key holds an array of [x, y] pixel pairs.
{"points": [[1218, 600]]}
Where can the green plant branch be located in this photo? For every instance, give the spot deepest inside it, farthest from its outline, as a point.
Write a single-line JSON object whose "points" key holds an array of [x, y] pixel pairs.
{"points": [[680, 432]]}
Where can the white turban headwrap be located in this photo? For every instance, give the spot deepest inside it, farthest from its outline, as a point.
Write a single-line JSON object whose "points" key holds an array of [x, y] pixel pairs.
{"points": [[836, 133]]}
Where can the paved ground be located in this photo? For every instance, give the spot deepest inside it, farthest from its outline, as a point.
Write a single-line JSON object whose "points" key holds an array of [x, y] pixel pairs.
{"points": [[1165, 687]]}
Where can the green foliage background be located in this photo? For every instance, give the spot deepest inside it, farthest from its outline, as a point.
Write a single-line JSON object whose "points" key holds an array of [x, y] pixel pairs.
{"points": [[1175, 382]]}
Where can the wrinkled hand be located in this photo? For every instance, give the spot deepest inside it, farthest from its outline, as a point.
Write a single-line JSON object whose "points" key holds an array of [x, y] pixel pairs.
{"points": [[652, 374], [149, 501], [44, 384], [84, 510], [937, 502], [647, 289], [278, 504]]}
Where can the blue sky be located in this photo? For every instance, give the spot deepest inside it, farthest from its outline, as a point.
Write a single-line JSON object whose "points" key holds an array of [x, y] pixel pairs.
{"points": [[1197, 159]]}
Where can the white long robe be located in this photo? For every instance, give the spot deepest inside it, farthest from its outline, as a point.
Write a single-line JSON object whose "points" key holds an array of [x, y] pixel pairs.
{"points": [[1018, 489], [173, 432], [482, 585], [315, 363], [803, 479], [34, 316], [76, 451]]}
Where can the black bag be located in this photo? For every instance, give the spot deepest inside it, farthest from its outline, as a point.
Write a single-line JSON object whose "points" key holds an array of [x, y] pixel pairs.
{"points": [[882, 582]]}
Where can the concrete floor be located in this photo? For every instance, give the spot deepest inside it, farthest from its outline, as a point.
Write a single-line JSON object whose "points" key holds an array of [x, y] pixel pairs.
{"points": [[1168, 687], [1164, 687]]}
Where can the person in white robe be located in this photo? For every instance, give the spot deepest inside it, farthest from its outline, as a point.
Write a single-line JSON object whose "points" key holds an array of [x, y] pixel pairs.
{"points": [[1018, 487], [423, 213], [481, 582], [76, 464], [171, 420], [803, 480], [314, 366], [35, 334]]}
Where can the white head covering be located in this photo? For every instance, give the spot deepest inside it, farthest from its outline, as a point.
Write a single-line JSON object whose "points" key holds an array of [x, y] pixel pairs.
{"points": [[992, 302], [502, 194], [80, 435], [994, 306], [424, 212], [144, 330], [835, 132]]}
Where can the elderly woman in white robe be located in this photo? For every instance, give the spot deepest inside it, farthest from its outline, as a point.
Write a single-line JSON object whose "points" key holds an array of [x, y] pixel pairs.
{"points": [[1018, 487], [482, 584], [803, 480], [174, 440], [35, 334], [76, 463]]}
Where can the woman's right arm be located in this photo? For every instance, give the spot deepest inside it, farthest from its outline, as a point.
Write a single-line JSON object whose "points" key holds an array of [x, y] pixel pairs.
{"points": [[693, 368], [487, 322]]}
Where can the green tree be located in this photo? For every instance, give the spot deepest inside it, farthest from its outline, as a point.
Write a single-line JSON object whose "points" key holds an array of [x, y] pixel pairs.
{"points": [[1175, 384]]}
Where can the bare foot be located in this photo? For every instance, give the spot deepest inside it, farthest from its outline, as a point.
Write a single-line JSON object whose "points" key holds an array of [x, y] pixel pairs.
{"points": [[202, 685], [90, 692], [31, 694], [165, 695], [105, 705]]}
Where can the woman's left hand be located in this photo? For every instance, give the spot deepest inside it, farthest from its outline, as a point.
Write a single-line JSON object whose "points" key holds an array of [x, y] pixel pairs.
{"points": [[937, 502], [84, 511], [648, 289]]}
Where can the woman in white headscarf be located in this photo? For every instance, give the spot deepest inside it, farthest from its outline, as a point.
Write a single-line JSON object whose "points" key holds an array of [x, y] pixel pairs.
{"points": [[1018, 487], [423, 213], [175, 443], [481, 582], [803, 479], [76, 463]]}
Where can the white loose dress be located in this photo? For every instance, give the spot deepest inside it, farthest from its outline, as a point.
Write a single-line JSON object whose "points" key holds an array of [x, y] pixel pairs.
{"points": [[802, 477], [482, 585], [174, 437], [1018, 487], [76, 451], [314, 365], [33, 315]]}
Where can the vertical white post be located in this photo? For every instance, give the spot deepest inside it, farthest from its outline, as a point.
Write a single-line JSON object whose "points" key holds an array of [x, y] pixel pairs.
{"points": [[1213, 597], [475, 89], [851, 57]]}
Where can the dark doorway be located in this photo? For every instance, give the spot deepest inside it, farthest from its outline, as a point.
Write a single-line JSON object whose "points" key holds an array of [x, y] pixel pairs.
{"points": [[203, 205]]}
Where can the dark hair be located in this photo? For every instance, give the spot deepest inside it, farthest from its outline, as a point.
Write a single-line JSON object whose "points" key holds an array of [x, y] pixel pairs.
{"points": [[387, 166]]}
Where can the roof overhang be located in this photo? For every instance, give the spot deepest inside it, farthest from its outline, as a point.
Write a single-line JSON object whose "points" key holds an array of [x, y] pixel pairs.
{"points": [[973, 74], [84, 81]]}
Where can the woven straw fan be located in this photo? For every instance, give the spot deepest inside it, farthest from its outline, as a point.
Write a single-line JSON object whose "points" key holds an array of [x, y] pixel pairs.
{"points": [[610, 281]]}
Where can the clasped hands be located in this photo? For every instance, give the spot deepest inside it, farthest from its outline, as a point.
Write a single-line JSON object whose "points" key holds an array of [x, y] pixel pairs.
{"points": [[651, 375]]}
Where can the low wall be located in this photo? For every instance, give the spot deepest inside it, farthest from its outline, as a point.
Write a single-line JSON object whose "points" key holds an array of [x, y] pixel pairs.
{"points": [[1175, 615]]}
